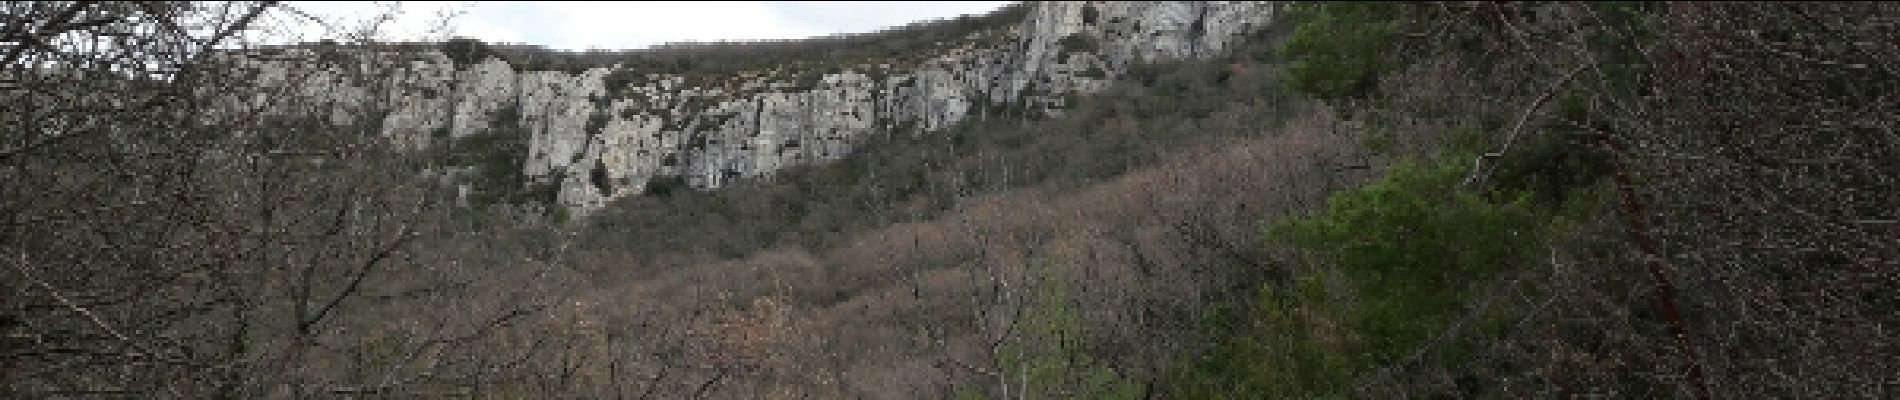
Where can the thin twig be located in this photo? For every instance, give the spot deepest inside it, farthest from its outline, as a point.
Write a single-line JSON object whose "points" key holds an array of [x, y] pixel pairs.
{"points": [[356, 281], [101, 323], [28, 40], [701, 393]]}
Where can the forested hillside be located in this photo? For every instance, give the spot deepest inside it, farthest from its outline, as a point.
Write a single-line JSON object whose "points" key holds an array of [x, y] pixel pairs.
{"points": [[1363, 200], [1605, 199]]}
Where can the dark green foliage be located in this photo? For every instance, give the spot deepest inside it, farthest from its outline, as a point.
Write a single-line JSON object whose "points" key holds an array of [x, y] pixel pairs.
{"points": [[1400, 254], [1551, 165], [1408, 241], [1338, 50], [621, 79], [665, 186], [465, 51], [498, 158]]}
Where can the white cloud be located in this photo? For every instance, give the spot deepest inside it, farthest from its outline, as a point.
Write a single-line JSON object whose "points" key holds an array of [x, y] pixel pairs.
{"points": [[866, 16], [582, 25], [624, 25]]}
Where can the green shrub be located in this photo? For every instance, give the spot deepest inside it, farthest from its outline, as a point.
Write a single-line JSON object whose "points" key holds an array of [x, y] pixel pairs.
{"points": [[1550, 166], [621, 79], [665, 185], [465, 51], [1406, 243], [499, 157], [1338, 50], [1397, 255]]}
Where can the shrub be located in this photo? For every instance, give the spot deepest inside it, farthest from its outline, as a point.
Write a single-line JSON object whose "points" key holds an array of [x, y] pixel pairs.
{"points": [[665, 185], [1398, 251], [1339, 50], [621, 79], [599, 177], [465, 51], [1407, 240]]}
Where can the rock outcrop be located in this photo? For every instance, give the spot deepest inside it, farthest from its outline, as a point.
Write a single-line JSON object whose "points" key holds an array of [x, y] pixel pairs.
{"points": [[598, 141]]}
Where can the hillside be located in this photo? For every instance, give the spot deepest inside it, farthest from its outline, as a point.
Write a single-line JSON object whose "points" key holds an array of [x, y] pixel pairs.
{"points": [[584, 129], [1099, 200]]}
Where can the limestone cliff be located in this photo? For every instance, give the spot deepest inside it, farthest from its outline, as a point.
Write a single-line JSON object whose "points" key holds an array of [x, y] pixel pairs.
{"points": [[603, 132]]}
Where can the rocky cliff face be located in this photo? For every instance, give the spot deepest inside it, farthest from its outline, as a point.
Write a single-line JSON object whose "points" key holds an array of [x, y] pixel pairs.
{"points": [[602, 133]]}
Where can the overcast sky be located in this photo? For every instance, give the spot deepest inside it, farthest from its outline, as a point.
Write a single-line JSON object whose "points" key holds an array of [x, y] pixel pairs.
{"points": [[583, 25]]}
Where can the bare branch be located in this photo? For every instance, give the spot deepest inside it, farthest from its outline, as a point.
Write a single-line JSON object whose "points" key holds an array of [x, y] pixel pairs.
{"points": [[403, 237], [52, 27], [20, 264], [1477, 165]]}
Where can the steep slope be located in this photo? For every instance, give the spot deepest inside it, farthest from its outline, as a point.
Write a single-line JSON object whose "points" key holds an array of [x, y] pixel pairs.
{"points": [[589, 134]]}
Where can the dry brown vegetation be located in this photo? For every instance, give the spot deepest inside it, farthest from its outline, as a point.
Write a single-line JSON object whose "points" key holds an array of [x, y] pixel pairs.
{"points": [[915, 309]]}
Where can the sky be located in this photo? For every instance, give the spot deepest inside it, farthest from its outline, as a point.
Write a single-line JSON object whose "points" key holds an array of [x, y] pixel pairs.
{"points": [[585, 25]]}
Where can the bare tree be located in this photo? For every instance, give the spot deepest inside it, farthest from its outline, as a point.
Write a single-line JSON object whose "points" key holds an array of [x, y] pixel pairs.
{"points": [[171, 231]]}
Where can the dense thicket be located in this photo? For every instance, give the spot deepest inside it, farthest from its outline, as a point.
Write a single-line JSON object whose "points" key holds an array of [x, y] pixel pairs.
{"points": [[1694, 171], [162, 240]]}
